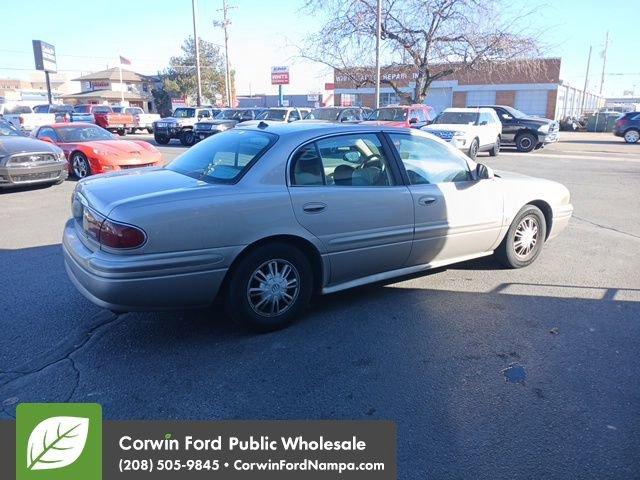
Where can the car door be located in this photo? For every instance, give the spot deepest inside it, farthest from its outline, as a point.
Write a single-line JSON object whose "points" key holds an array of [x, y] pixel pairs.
{"points": [[486, 131], [346, 191], [509, 125], [455, 216]]}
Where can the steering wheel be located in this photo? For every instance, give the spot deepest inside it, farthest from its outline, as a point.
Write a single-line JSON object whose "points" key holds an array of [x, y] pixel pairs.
{"points": [[372, 160]]}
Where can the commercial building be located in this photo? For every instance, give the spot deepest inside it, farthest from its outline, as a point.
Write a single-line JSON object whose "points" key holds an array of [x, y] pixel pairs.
{"points": [[33, 91], [310, 100], [105, 88], [623, 104], [532, 86]]}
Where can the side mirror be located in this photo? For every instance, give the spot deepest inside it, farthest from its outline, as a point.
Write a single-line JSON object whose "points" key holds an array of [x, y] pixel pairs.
{"points": [[484, 122], [483, 172], [413, 120], [47, 139]]}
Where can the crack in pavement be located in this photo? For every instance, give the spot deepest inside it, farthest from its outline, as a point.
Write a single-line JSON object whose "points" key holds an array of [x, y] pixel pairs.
{"points": [[71, 347], [606, 227]]}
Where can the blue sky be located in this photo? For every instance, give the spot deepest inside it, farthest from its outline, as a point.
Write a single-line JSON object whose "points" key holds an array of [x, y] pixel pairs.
{"points": [[90, 35]]}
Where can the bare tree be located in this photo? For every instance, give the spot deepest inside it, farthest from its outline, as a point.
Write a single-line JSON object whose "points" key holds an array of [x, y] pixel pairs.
{"points": [[424, 40]]}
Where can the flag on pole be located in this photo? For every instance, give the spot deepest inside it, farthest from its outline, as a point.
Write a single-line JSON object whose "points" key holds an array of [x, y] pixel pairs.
{"points": [[124, 61]]}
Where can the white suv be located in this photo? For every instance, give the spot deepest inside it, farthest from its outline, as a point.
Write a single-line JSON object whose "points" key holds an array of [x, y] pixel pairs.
{"points": [[472, 130]]}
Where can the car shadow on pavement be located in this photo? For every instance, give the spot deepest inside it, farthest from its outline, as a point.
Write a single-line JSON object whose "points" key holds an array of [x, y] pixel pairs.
{"points": [[434, 361]]}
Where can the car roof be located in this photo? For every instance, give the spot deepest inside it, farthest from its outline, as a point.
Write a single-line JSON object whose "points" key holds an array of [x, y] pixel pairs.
{"points": [[469, 109], [67, 124], [311, 128]]}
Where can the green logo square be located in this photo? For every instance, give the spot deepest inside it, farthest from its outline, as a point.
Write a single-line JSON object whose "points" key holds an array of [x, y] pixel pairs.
{"points": [[59, 441]]}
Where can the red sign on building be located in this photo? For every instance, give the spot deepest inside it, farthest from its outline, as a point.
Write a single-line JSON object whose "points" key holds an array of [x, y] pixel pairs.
{"points": [[280, 75]]}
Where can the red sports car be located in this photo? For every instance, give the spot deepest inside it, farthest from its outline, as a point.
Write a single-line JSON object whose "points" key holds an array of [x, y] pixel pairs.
{"points": [[91, 149]]}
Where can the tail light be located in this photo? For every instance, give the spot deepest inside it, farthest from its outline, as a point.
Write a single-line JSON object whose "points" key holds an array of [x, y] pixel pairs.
{"points": [[21, 119], [111, 234], [621, 122]]}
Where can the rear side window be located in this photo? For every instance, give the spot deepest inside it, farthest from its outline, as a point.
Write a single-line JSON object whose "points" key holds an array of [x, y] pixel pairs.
{"points": [[342, 161], [225, 157]]}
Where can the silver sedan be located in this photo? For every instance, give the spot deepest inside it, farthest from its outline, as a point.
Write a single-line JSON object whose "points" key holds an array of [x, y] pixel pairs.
{"points": [[268, 215]]}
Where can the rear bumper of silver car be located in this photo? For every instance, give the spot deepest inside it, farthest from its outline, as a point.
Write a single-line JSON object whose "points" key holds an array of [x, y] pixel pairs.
{"points": [[144, 282], [561, 217]]}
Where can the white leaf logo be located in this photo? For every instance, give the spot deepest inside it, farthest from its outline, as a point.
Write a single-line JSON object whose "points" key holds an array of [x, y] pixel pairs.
{"points": [[56, 442]]}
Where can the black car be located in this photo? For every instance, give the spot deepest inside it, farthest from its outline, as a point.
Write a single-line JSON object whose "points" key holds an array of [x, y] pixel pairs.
{"points": [[226, 119], [628, 127], [524, 131], [337, 114]]}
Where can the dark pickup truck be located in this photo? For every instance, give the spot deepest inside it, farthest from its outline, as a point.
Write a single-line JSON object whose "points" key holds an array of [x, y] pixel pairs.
{"points": [[524, 131]]}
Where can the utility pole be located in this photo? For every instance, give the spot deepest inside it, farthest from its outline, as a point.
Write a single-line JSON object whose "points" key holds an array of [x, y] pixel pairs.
{"points": [[378, 35], [586, 81], [225, 24], [604, 60], [197, 43]]}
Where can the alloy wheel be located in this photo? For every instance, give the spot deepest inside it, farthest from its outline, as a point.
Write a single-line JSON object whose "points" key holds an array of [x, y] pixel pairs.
{"points": [[273, 288], [632, 136], [80, 167], [526, 237]]}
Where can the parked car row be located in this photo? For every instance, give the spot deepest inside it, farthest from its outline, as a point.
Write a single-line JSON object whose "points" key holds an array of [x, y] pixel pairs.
{"points": [[56, 150], [119, 120]]}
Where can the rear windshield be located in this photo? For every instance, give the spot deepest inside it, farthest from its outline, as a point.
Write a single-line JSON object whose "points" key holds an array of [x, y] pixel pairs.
{"points": [[389, 114], [272, 115], [224, 157], [184, 113], [330, 114], [102, 109]]}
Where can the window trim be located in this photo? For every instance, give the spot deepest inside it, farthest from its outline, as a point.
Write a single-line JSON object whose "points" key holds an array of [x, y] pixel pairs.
{"points": [[405, 175], [389, 154]]}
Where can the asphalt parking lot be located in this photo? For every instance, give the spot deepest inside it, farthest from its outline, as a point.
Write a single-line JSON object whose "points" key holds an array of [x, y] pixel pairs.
{"points": [[489, 373]]}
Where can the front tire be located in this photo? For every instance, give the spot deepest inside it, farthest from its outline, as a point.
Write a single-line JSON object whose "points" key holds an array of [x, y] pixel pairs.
{"points": [[269, 287], [473, 149], [631, 136], [495, 150], [526, 142], [80, 165], [524, 240], [187, 138], [161, 139]]}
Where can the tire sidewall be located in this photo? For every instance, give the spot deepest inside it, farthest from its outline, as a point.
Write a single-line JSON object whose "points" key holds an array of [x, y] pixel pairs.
{"points": [[528, 136], [187, 138], [161, 139], [84, 159], [506, 252], [236, 302], [631, 130], [473, 149], [496, 148]]}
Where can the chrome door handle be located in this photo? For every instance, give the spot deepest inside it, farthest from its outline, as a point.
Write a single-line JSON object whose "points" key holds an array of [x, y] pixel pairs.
{"points": [[427, 200], [314, 207]]}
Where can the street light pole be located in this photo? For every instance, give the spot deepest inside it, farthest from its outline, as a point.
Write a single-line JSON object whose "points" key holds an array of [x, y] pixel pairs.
{"points": [[378, 35], [227, 78], [197, 44], [586, 82], [604, 61]]}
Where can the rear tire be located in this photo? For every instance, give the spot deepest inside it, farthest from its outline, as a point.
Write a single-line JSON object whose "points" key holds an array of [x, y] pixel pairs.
{"points": [[161, 139], [121, 132], [269, 287], [495, 150], [526, 142], [631, 136], [524, 240], [149, 130]]}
